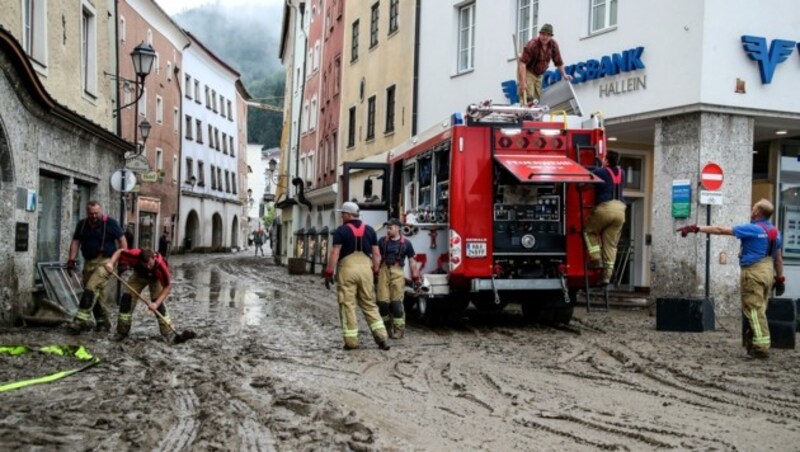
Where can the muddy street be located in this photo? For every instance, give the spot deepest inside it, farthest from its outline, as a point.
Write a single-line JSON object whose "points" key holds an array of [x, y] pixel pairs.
{"points": [[268, 372]]}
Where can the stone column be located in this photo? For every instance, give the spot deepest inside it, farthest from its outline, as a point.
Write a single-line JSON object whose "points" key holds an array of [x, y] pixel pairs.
{"points": [[683, 145]]}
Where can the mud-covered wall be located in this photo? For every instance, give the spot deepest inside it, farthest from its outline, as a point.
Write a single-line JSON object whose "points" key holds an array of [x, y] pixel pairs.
{"points": [[683, 145], [36, 141]]}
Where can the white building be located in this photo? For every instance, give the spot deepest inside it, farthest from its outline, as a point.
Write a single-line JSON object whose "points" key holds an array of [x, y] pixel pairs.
{"points": [[210, 205], [680, 85]]}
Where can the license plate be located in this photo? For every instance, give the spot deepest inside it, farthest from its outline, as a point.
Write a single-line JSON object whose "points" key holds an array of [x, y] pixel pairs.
{"points": [[476, 249]]}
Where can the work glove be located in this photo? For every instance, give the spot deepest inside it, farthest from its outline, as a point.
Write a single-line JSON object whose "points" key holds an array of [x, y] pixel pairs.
{"points": [[691, 229], [417, 282], [71, 264], [780, 285], [328, 275]]}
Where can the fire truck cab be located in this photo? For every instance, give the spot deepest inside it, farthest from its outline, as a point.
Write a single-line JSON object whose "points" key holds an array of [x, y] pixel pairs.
{"points": [[493, 202]]}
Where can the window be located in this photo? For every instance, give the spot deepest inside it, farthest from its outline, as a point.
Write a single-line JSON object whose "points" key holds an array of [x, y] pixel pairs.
{"points": [[187, 86], [174, 168], [466, 37], [214, 100], [230, 112], [216, 138], [150, 36], [189, 169], [603, 15], [169, 71], [159, 159], [157, 64], [176, 119], [393, 13], [143, 103], [208, 97], [371, 118], [351, 128], [88, 50], [127, 91], [201, 174], [233, 183], [373, 25], [354, 43], [122, 32], [230, 145], [304, 120], [224, 143], [227, 181], [222, 105], [199, 125], [219, 178], [213, 177], [390, 109], [337, 73], [317, 53], [527, 21], [159, 110], [210, 136], [188, 127], [197, 91], [312, 118], [34, 30]]}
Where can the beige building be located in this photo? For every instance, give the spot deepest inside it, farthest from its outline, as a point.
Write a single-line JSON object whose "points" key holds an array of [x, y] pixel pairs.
{"points": [[377, 78], [71, 45]]}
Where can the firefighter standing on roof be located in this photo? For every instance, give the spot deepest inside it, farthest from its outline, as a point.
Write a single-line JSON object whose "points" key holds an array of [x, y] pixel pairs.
{"points": [[391, 278], [762, 268], [97, 236], [607, 218], [356, 259], [149, 270]]}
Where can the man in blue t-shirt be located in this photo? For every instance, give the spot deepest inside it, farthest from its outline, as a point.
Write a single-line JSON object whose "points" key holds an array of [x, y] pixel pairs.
{"points": [[356, 258], [97, 236], [761, 264], [395, 249]]}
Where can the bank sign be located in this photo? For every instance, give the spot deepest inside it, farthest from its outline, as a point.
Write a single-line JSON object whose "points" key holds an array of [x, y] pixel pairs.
{"points": [[609, 65], [768, 57]]}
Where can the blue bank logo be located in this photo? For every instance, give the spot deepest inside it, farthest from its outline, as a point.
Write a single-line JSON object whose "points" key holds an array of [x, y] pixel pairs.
{"points": [[768, 57], [626, 61]]}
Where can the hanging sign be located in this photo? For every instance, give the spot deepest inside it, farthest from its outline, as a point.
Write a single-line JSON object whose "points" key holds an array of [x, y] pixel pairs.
{"points": [[681, 198]]}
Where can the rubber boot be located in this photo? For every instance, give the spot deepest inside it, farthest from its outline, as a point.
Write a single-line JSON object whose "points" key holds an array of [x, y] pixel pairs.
{"points": [[125, 317], [398, 320], [383, 308], [102, 325], [82, 320]]}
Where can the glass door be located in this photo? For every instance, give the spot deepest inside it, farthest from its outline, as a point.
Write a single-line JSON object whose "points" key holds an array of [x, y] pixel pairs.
{"points": [[48, 235]]}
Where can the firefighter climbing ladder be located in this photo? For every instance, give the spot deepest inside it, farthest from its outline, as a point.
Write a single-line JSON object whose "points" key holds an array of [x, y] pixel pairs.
{"points": [[587, 288]]}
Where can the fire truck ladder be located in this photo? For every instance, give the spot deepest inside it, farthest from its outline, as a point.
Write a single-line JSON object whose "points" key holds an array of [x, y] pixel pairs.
{"points": [[505, 113], [586, 287]]}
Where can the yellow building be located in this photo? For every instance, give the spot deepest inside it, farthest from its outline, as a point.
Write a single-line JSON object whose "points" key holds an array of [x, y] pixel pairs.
{"points": [[71, 45], [377, 107]]}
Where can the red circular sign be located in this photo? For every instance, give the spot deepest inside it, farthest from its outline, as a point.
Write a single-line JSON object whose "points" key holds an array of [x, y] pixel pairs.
{"points": [[711, 176]]}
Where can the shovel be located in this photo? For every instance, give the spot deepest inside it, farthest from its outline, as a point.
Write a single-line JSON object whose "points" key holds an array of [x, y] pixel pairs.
{"points": [[179, 337]]}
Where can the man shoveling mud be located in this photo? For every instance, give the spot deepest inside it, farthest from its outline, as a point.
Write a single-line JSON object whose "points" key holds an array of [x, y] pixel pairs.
{"points": [[149, 270]]}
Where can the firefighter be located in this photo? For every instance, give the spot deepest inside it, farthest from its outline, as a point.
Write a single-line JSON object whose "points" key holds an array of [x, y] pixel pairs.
{"points": [[391, 278], [149, 270], [533, 63], [97, 236], [608, 217], [356, 259], [761, 264]]}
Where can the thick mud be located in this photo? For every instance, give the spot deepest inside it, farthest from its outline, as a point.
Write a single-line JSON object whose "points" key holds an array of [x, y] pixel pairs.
{"points": [[267, 372]]}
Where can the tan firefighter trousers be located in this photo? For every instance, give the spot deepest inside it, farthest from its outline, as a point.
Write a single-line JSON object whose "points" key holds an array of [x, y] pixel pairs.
{"points": [[138, 283], [756, 282], [605, 222], [355, 285], [391, 287]]}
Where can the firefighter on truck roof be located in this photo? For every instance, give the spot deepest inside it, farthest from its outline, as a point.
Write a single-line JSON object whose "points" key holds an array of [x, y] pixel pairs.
{"points": [[391, 278], [356, 259], [608, 217]]}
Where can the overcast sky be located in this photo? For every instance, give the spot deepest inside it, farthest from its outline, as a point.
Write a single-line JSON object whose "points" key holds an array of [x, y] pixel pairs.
{"points": [[173, 7]]}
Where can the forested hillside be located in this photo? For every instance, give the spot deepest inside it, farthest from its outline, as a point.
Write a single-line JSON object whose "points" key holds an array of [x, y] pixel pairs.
{"points": [[246, 38]]}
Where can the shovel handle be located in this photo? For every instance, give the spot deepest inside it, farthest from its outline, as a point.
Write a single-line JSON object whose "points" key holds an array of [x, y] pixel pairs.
{"points": [[141, 298]]}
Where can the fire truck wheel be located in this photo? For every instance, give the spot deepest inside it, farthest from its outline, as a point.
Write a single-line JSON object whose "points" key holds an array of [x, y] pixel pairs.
{"points": [[564, 315]]}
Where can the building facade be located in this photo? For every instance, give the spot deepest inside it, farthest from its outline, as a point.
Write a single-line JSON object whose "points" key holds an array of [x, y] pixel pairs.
{"points": [[154, 203], [210, 203]]}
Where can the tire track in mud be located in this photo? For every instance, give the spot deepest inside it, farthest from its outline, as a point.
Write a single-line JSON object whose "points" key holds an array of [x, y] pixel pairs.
{"points": [[182, 434]]}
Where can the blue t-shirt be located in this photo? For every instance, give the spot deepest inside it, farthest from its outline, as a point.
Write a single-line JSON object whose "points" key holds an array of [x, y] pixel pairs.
{"points": [[390, 249], [99, 239], [344, 236], [755, 242], [605, 191]]}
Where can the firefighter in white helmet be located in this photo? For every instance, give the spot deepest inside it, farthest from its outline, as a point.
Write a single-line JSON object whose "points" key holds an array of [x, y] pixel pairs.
{"points": [[355, 258], [392, 279]]}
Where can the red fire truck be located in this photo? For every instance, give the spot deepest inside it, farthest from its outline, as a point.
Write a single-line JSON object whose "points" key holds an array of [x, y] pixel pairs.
{"points": [[494, 205]]}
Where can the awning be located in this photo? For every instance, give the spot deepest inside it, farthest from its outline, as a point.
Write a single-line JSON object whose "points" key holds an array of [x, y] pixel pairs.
{"points": [[545, 168]]}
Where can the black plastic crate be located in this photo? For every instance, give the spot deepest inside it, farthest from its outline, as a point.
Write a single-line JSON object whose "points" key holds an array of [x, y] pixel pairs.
{"points": [[685, 314], [782, 320]]}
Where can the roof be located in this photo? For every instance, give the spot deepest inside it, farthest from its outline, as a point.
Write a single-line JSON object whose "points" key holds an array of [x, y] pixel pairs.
{"points": [[211, 54]]}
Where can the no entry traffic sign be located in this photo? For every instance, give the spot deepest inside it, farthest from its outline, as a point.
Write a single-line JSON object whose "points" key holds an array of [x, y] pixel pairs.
{"points": [[711, 176]]}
